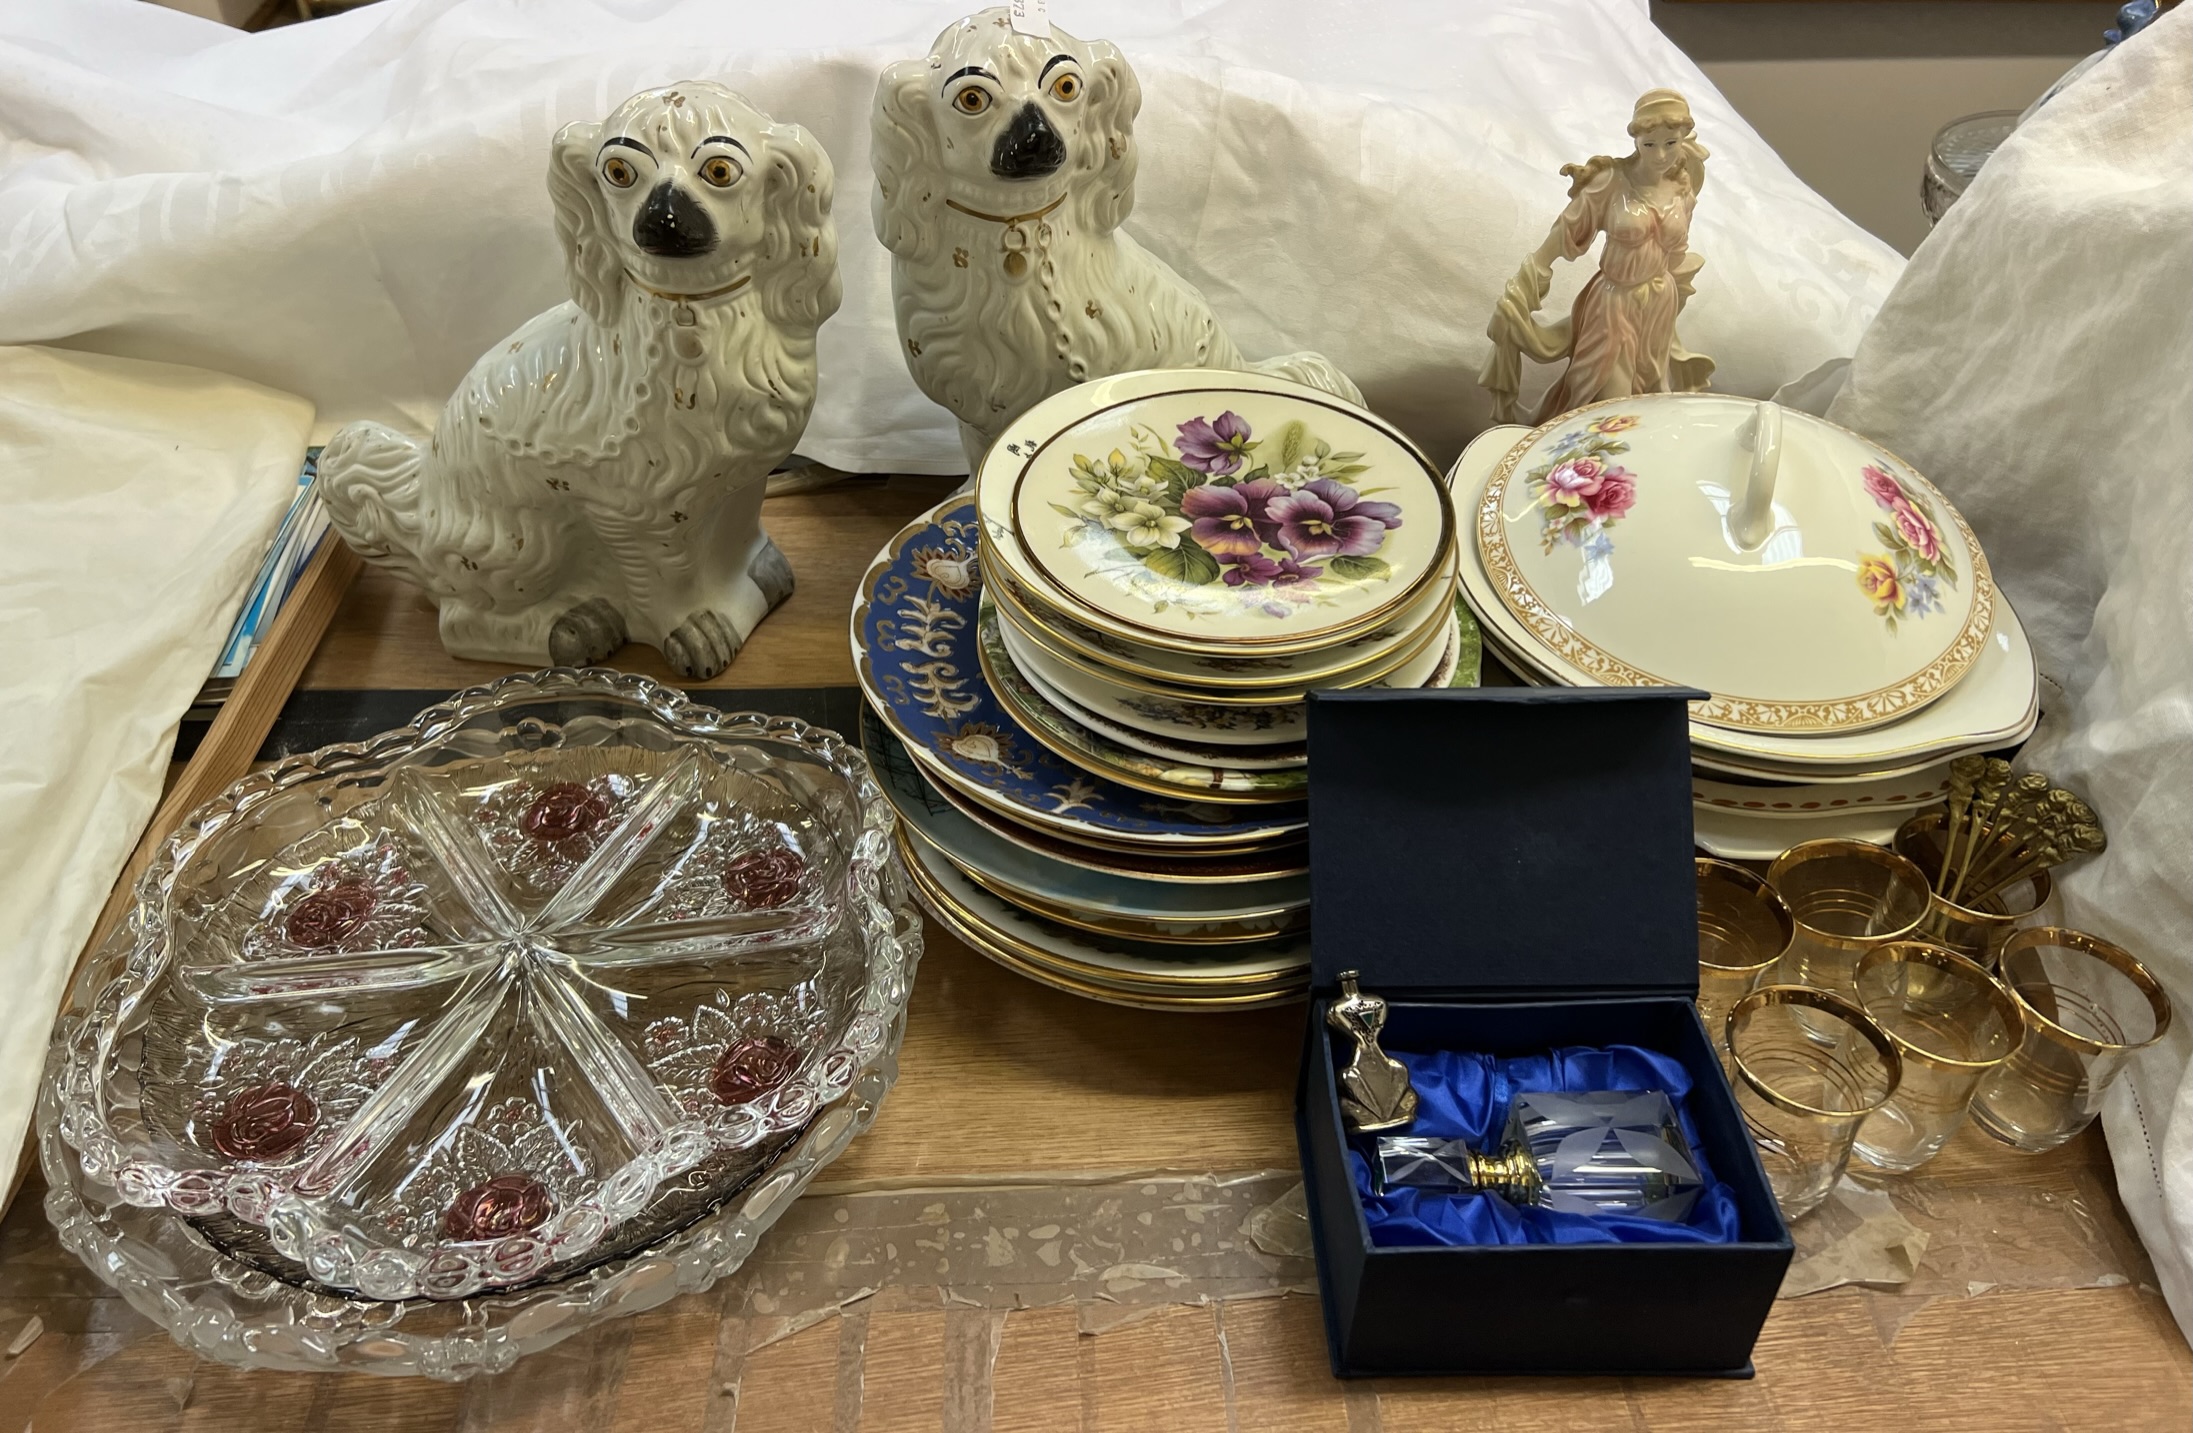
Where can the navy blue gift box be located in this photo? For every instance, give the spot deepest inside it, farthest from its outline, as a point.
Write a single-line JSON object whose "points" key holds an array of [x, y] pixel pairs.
{"points": [[1511, 869]]}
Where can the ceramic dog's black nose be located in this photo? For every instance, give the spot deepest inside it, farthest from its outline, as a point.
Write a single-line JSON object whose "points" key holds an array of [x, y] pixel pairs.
{"points": [[672, 226], [1029, 148]]}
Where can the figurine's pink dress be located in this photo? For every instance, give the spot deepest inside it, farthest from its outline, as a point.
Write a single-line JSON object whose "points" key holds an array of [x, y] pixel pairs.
{"points": [[1622, 329]]}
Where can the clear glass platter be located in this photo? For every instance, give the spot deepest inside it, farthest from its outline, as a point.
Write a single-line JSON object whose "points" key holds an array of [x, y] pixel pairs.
{"points": [[565, 968]]}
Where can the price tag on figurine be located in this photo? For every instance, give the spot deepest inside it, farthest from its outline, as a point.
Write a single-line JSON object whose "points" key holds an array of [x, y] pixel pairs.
{"points": [[1030, 17]]}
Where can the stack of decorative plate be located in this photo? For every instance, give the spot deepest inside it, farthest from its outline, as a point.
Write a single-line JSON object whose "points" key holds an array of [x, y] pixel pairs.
{"points": [[1089, 678], [1834, 604]]}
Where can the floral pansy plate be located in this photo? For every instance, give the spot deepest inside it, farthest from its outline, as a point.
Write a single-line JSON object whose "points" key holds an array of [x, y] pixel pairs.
{"points": [[913, 637], [1808, 579], [1198, 512]]}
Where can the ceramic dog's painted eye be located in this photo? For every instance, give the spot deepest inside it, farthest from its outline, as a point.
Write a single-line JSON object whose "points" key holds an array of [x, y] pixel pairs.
{"points": [[619, 172], [1066, 88], [721, 171], [972, 100]]}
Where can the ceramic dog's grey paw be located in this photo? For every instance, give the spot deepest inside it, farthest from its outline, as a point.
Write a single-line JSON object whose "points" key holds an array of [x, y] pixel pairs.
{"points": [[771, 572], [703, 645], [587, 634]]}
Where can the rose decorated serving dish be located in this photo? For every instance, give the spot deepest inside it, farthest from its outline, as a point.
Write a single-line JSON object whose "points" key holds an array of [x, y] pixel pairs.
{"points": [[1808, 579], [501, 1001], [1758, 788]]}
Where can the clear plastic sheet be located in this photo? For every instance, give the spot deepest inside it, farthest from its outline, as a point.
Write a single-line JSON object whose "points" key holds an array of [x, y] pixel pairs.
{"points": [[1186, 1263]]}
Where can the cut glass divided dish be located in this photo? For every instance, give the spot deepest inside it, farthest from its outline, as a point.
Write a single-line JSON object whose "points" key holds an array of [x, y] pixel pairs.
{"points": [[501, 999]]}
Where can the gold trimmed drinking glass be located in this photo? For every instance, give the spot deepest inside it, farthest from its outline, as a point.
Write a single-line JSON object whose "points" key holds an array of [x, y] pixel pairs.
{"points": [[1977, 928], [2088, 1007], [1951, 1023], [1743, 929], [1847, 897], [1806, 1084]]}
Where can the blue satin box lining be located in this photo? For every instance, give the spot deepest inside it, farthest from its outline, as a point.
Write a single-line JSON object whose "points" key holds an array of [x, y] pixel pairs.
{"points": [[1687, 1305], [1463, 1095]]}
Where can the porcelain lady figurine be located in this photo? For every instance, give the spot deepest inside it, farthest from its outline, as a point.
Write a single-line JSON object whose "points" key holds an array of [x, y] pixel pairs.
{"points": [[1005, 165], [1619, 338], [598, 477]]}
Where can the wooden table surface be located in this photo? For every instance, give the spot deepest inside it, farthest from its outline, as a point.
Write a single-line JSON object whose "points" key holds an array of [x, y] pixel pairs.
{"points": [[2032, 1306]]}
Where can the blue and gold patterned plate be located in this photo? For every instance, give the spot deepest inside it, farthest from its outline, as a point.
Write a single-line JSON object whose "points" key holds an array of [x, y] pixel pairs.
{"points": [[913, 636], [1136, 908]]}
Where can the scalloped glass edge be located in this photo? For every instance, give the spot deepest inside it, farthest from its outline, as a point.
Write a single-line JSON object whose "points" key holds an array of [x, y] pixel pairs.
{"points": [[853, 1078]]}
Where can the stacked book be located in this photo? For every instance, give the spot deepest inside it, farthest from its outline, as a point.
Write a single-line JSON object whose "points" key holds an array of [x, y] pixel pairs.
{"points": [[294, 543]]}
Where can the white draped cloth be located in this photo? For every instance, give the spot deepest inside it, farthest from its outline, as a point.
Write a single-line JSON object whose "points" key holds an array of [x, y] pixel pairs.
{"points": [[2036, 361], [355, 209], [139, 499]]}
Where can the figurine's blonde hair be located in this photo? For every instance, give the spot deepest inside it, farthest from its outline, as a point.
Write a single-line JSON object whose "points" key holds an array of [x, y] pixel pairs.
{"points": [[1656, 109]]}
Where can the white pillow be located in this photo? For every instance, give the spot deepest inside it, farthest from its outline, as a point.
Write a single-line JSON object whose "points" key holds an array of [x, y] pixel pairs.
{"points": [[2036, 362], [355, 209]]}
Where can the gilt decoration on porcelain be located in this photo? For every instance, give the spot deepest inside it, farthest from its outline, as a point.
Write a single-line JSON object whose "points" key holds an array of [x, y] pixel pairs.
{"points": [[915, 651], [1918, 568]]}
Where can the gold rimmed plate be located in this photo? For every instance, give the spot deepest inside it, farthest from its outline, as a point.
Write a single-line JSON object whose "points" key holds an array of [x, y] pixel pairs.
{"points": [[1127, 906], [1204, 512], [1187, 781], [1279, 678], [912, 637], [1426, 621], [1104, 967], [1241, 931], [1214, 868]]}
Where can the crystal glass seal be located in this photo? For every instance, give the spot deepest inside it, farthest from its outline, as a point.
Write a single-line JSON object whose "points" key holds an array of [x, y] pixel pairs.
{"points": [[1595, 1152], [503, 1000]]}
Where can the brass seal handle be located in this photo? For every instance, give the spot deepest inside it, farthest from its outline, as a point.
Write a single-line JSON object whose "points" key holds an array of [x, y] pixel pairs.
{"points": [[1374, 1086]]}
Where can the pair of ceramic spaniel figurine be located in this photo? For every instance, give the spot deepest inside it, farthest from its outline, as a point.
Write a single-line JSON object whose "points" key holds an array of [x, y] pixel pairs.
{"points": [[598, 477]]}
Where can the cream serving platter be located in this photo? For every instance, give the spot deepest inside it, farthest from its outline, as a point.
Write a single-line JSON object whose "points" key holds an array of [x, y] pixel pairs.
{"points": [[1742, 836]]}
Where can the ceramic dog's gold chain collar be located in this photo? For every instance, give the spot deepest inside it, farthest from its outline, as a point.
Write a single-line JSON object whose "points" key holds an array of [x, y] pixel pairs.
{"points": [[684, 342], [685, 302], [1016, 255]]}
